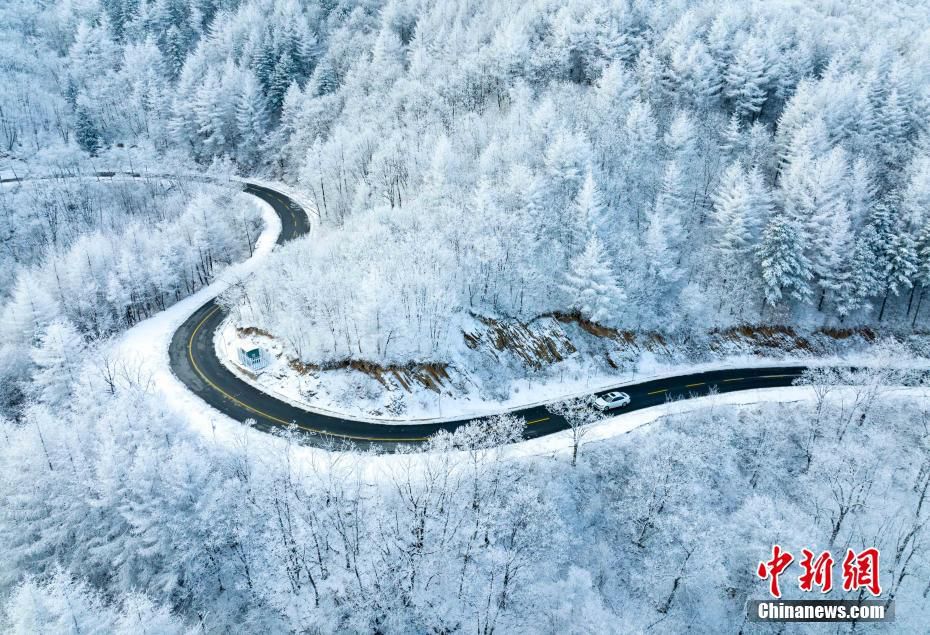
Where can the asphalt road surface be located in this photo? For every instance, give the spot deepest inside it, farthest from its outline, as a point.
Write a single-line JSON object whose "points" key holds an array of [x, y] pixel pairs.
{"points": [[194, 362]]}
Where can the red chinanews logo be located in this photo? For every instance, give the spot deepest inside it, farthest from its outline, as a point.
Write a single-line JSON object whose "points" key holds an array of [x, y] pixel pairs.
{"points": [[860, 570]]}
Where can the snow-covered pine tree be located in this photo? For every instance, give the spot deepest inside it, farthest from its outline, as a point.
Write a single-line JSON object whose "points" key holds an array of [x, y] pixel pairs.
{"points": [[922, 275], [589, 211], [916, 198], [761, 203], [895, 254], [901, 265], [57, 358], [746, 81], [862, 191], [285, 73], [680, 138], [786, 271], [671, 208], [732, 143], [251, 119], [85, 130], [590, 286], [833, 263], [864, 279], [731, 212]]}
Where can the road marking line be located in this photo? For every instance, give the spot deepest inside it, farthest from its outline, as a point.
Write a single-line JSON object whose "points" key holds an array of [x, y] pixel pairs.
{"points": [[190, 354], [287, 206], [200, 373]]}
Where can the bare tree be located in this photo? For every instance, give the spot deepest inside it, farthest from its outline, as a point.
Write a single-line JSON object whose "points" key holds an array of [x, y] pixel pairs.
{"points": [[578, 413], [849, 489], [822, 381], [107, 367]]}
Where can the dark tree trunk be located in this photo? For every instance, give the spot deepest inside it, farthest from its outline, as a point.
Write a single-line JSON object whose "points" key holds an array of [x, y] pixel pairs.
{"points": [[910, 300], [917, 310]]}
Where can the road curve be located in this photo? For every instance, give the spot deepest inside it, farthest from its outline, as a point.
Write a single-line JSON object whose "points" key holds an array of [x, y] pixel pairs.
{"points": [[194, 361]]}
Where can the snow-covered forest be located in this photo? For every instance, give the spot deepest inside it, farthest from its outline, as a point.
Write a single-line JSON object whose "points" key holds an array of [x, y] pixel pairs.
{"points": [[660, 168], [665, 166], [116, 516], [84, 259]]}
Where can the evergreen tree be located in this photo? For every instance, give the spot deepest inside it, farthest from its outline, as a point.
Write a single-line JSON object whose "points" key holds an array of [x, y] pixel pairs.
{"points": [[681, 137], [814, 193], [662, 254], [285, 73], [641, 129], [731, 213], [832, 265], [922, 275], [589, 213], [894, 134], [786, 271], [174, 50], [864, 277], [692, 75], [567, 159], [862, 191], [746, 81], [251, 119], [796, 114], [916, 198], [671, 207], [732, 144], [85, 131], [591, 287], [57, 357], [761, 203], [263, 63], [895, 254], [901, 267], [759, 146], [116, 13]]}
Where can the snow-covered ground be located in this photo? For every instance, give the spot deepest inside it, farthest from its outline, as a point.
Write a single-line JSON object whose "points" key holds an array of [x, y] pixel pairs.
{"points": [[561, 443], [351, 394], [144, 347]]}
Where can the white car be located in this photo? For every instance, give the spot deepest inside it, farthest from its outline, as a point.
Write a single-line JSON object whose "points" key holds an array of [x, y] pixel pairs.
{"points": [[615, 399]]}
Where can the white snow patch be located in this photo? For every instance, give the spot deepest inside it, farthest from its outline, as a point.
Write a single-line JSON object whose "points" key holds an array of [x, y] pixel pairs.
{"points": [[144, 347], [342, 393], [561, 442]]}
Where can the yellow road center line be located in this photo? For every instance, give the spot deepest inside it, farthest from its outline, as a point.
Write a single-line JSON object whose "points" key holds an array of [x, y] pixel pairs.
{"points": [[287, 205], [190, 354]]}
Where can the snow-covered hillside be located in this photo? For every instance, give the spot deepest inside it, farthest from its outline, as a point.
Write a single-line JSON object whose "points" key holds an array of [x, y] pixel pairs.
{"points": [[511, 202]]}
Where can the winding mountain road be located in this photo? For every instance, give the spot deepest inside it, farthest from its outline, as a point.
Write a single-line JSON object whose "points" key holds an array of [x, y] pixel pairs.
{"points": [[194, 361]]}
